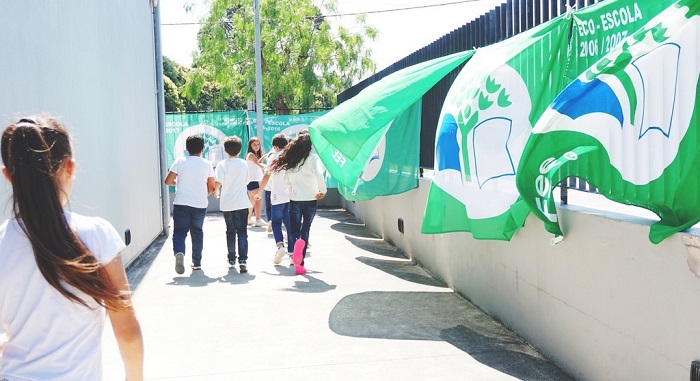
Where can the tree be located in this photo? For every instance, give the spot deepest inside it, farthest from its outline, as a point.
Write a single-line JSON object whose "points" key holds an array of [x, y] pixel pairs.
{"points": [[304, 62], [175, 72], [173, 102]]}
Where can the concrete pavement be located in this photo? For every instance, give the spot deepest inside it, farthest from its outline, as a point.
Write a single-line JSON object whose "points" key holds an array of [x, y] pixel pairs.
{"points": [[362, 312]]}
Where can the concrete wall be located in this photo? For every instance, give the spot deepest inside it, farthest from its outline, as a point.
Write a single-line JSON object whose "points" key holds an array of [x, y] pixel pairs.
{"points": [[91, 63], [604, 304]]}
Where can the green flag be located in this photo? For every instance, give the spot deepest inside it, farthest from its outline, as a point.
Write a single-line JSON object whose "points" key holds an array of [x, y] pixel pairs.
{"points": [[391, 171], [629, 126], [485, 122], [348, 137], [599, 28]]}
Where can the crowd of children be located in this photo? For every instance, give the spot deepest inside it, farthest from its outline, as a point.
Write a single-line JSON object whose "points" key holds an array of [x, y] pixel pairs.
{"points": [[292, 174]]}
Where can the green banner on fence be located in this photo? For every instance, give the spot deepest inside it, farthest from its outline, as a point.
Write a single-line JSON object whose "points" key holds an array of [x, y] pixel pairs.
{"points": [[215, 127], [289, 125]]}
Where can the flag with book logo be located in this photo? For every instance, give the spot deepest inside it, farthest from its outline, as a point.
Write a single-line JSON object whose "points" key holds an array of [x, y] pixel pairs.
{"points": [[629, 126], [484, 124]]}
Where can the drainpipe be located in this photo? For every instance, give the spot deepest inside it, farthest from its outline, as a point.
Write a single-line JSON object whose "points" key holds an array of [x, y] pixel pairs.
{"points": [[160, 95]]}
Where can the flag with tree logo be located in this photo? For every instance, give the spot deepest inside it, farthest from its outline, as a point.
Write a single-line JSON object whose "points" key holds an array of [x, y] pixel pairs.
{"points": [[484, 124], [599, 28], [357, 138], [629, 126]]}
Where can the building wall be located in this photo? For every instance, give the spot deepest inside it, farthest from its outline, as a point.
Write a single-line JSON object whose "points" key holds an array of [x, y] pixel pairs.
{"points": [[91, 63], [604, 304]]}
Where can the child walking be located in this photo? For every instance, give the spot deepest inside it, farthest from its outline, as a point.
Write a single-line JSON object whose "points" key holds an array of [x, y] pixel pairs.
{"points": [[305, 186], [231, 180], [254, 156], [59, 271], [193, 178], [279, 200]]}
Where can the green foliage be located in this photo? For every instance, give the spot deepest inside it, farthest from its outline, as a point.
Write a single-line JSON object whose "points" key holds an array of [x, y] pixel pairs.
{"points": [[175, 72], [304, 62], [173, 102], [208, 96]]}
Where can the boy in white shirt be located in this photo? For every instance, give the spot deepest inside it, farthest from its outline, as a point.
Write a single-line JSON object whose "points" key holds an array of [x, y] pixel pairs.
{"points": [[231, 180], [193, 178]]}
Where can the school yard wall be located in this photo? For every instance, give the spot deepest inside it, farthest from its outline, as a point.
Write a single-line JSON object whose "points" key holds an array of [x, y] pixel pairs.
{"points": [[91, 63], [604, 304]]}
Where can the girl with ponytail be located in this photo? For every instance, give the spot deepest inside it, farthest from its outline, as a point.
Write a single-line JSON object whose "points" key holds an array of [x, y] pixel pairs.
{"points": [[59, 271]]}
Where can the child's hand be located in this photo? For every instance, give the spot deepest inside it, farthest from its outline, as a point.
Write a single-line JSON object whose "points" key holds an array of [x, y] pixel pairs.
{"points": [[217, 194]]}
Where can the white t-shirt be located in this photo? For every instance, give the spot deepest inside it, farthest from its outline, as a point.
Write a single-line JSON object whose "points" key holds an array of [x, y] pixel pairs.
{"points": [[49, 336], [306, 180], [254, 171], [232, 173], [191, 181], [278, 188], [270, 157]]}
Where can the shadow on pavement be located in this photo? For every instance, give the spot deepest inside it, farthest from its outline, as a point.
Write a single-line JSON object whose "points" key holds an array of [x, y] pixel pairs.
{"points": [[312, 286], [196, 279], [354, 229], [376, 246], [234, 277], [140, 266], [406, 270], [440, 316], [332, 214]]}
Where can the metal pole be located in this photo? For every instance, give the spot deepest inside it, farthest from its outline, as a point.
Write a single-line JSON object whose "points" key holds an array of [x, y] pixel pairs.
{"points": [[160, 101], [258, 74]]}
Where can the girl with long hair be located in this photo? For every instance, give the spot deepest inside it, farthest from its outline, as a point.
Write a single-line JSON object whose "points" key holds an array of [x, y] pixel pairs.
{"points": [[305, 186], [59, 271], [254, 157]]}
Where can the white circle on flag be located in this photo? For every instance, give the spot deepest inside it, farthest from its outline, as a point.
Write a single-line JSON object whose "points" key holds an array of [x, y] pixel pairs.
{"points": [[372, 168], [213, 142]]}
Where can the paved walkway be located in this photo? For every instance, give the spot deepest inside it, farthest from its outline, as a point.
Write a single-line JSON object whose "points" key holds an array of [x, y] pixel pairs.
{"points": [[362, 312]]}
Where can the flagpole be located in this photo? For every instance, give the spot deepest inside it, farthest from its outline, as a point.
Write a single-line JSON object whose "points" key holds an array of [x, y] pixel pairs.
{"points": [[258, 74]]}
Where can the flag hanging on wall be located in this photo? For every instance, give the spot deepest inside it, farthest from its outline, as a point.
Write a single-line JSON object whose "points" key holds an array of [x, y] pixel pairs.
{"points": [[484, 124], [599, 28], [356, 140], [629, 126], [391, 171]]}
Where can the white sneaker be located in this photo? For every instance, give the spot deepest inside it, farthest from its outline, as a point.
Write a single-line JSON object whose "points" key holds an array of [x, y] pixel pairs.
{"points": [[279, 255], [258, 223]]}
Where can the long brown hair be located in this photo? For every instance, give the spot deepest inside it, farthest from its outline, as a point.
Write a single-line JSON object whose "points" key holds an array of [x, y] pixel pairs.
{"points": [[33, 151], [257, 154], [294, 154]]}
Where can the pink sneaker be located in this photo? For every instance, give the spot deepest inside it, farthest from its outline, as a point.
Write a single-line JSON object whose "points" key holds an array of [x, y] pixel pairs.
{"points": [[298, 256]]}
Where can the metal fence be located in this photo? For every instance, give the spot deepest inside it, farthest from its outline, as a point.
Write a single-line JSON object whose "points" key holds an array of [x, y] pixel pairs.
{"points": [[506, 20]]}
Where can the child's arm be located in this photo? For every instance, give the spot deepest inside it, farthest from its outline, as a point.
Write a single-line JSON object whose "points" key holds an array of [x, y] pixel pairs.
{"points": [[210, 185], [170, 178], [254, 159], [126, 327], [265, 179], [217, 189]]}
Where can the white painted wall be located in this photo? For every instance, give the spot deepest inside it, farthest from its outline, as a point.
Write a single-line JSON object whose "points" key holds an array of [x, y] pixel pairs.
{"points": [[604, 304], [92, 64]]}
